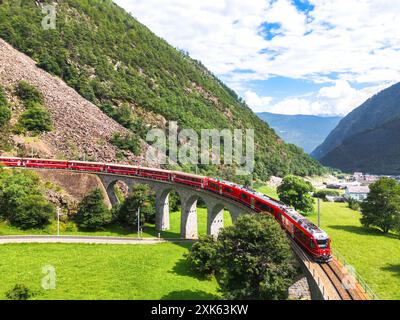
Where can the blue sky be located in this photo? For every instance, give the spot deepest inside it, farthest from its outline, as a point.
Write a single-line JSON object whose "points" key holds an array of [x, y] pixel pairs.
{"points": [[321, 57]]}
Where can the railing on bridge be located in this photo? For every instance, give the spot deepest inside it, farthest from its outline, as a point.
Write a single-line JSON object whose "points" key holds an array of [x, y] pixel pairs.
{"points": [[367, 289]]}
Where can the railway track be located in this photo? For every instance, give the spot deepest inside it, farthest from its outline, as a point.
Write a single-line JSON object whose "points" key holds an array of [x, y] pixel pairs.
{"points": [[333, 280]]}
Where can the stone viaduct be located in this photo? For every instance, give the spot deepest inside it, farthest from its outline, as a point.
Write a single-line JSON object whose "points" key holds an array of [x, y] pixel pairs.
{"points": [[189, 196]]}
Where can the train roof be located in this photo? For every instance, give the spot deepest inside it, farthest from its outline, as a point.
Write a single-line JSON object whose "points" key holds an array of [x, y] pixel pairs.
{"points": [[88, 162], [40, 159], [188, 174]]}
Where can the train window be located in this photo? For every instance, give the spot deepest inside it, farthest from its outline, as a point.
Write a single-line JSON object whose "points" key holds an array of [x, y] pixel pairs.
{"points": [[312, 244], [228, 190], [323, 243], [244, 196], [213, 185], [264, 207]]}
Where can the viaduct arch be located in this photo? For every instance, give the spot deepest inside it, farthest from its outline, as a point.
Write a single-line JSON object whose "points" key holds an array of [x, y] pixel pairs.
{"points": [[189, 197]]}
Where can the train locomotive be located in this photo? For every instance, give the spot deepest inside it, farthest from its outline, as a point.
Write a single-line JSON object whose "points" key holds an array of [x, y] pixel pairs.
{"points": [[311, 238]]}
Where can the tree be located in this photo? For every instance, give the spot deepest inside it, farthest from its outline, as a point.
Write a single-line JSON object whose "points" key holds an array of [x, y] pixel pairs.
{"points": [[296, 192], [254, 260], [137, 199], [93, 213], [34, 212], [22, 201], [28, 94], [5, 112], [202, 255], [36, 119], [382, 206], [19, 292]]}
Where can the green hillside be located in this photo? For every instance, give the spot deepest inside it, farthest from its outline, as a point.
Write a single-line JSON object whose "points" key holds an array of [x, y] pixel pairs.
{"points": [[367, 138], [139, 79]]}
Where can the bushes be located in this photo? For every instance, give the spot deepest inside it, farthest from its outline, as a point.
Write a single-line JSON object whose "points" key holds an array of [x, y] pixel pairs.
{"points": [[93, 213], [35, 119], [5, 112], [19, 292], [127, 142], [322, 194], [21, 200], [28, 94], [201, 256], [34, 212], [354, 204]]}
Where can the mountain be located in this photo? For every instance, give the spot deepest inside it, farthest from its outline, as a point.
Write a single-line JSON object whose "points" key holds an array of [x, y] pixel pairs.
{"points": [[367, 139], [138, 79], [80, 128], [305, 131]]}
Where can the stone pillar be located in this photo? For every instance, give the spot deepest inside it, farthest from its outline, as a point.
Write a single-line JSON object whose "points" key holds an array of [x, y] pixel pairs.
{"points": [[215, 220], [162, 210], [235, 213], [189, 218]]}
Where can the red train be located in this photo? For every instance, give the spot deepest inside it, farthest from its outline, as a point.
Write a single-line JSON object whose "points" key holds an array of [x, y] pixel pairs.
{"points": [[314, 240]]}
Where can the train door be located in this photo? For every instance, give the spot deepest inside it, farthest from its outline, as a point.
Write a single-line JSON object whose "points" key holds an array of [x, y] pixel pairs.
{"points": [[220, 189], [253, 203]]}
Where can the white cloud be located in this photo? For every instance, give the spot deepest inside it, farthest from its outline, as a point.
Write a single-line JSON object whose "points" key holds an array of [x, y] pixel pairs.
{"points": [[338, 99], [357, 40]]}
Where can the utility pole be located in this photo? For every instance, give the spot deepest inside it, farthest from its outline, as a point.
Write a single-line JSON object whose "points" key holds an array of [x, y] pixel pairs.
{"points": [[58, 222], [138, 222]]}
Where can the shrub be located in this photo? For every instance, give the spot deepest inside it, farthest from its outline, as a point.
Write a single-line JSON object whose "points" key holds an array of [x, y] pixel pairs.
{"points": [[322, 194], [33, 212], [28, 94], [254, 260], [93, 213], [5, 114], [19, 292], [36, 119], [354, 204], [201, 256], [138, 199], [127, 142]]}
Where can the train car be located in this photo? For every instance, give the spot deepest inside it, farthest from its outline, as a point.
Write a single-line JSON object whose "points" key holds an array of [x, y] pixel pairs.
{"points": [[122, 169], [45, 163], [86, 166], [189, 179], [156, 174], [10, 162]]}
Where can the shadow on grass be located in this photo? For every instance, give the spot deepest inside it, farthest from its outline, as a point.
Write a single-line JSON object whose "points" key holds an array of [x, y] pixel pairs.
{"points": [[182, 268], [190, 295], [393, 268], [364, 231]]}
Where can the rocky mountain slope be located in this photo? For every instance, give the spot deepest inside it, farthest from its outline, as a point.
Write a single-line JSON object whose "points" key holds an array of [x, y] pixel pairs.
{"points": [[81, 128], [368, 138], [138, 79], [305, 131]]}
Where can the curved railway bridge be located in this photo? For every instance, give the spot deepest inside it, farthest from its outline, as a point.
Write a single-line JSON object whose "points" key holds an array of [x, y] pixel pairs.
{"points": [[328, 281]]}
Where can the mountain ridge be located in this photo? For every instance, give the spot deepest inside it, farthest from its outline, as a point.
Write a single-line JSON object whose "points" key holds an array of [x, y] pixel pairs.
{"points": [[365, 136], [305, 131]]}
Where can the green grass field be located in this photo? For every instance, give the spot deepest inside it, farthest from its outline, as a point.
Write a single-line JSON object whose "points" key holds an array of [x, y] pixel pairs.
{"points": [[148, 231], [375, 256], [104, 271]]}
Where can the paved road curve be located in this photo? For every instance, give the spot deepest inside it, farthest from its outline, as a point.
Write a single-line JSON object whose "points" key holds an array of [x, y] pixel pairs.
{"points": [[85, 240]]}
